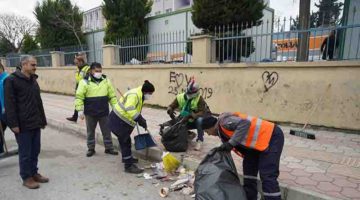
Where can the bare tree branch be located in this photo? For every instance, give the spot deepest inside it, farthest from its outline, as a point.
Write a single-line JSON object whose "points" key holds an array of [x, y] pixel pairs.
{"points": [[13, 28], [71, 26]]}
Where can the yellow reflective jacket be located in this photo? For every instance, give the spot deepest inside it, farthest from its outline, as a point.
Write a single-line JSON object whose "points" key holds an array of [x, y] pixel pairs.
{"points": [[93, 97], [130, 106], [81, 74]]}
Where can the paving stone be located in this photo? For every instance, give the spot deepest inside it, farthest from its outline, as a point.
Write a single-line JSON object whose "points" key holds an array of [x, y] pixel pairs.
{"points": [[344, 183], [354, 180], [302, 145], [283, 162], [295, 166], [291, 159], [305, 181], [300, 173], [314, 170], [321, 177], [328, 187], [337, 195], [351, 193], [317, 148], [283, 168], [334, 150], [309, 163], [286, 176], [288, 182]]}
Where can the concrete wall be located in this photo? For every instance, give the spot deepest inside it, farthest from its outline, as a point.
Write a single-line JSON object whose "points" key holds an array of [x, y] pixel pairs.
{"points": [[293, 91]]}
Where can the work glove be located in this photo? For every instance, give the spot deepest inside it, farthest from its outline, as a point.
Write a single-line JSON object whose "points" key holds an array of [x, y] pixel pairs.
{"points": [[171, 113], [226, 146], [81, 115], [142, 122]]}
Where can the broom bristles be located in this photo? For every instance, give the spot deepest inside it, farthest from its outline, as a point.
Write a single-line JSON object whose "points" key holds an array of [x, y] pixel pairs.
{"points": [[170, 162]]}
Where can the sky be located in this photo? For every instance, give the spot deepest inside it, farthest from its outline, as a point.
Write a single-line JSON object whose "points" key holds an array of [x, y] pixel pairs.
{"points": [[283, 8]]}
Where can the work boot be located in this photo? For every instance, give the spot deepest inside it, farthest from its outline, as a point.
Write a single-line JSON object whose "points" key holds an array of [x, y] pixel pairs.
{"points": [[198, 145], [131, 160], [72, 119], [111, 152], [40, 179], [133, 169], [191, 135], [30, 183], [90, 153]]}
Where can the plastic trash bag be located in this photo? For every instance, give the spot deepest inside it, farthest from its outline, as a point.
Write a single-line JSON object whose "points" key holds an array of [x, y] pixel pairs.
{"points": [[216, 178], [174, 138]]}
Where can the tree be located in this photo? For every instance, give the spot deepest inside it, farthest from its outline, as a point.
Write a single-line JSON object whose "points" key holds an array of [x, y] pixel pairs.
{"points": [[214, 17], [29, 44], [209, 14], [295, 24], [13, 28], [125, 18], [60, 24], [5, 46], [328, 13]]}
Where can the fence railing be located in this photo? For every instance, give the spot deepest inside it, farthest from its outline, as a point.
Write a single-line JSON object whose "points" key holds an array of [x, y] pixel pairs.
{"points": [[171, 47], [263, 45]]}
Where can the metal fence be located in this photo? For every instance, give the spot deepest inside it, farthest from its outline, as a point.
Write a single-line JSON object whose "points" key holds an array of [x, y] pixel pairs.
{"points": [[171, 47], [43, 56], [269, 42]]}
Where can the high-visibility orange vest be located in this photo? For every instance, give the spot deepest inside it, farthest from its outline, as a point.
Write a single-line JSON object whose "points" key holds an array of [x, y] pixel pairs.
{"points": [[259, 134]]}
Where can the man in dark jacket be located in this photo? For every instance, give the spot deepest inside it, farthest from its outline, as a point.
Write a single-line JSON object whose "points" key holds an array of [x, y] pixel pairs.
{"points": [[328, 46], [25, 117]]}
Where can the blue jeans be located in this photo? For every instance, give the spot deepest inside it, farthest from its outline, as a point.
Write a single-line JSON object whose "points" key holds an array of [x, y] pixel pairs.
{"points": [[29, 150], [197, 125]]}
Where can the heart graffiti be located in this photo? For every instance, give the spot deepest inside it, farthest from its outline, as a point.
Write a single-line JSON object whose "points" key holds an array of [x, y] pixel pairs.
{"points": [[269, 79]]}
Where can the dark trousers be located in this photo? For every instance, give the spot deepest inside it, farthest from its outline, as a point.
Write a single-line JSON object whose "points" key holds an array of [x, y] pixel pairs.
{"points": [[3, 124], [122, 130], [267, 165], [329, 54], [29, 150], [75, 115], [197, 125], [91, 123]]}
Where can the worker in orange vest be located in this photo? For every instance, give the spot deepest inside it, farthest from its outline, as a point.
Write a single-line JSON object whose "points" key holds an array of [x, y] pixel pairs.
{"points": [[260, 143]]}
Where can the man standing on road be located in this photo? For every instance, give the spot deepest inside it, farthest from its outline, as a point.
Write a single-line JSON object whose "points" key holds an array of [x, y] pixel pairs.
{"points": [[259, 141], [25, 117], [123, 119], [93, 96], [82, 71]]}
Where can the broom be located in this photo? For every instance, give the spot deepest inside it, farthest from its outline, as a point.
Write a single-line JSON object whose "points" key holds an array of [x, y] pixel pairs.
{"points": [[301, 132]]}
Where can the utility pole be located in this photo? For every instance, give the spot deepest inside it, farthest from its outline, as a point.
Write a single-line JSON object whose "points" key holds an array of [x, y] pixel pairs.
{"points": [[303, 37]]}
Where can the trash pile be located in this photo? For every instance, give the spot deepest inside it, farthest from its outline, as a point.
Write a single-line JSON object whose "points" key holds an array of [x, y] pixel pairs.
{"points": [[171, 172]]}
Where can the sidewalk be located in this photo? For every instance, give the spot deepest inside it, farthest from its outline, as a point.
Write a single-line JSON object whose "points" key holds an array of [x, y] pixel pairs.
{"points": [[327, 166]]}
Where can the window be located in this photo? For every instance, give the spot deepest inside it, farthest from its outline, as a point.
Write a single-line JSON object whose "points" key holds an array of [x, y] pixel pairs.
{"points": [[168, 10], [96, 16]]}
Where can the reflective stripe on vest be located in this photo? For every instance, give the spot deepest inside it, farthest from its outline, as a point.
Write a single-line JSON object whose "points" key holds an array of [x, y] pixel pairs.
{"points": [[259, 134]]}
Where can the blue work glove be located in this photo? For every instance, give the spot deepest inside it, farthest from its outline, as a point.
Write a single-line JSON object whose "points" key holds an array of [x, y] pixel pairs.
{"points": [[226, 146]]}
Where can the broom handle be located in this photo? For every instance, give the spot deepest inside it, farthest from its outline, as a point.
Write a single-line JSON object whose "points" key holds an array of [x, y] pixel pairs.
{"points": [[315, 108]]}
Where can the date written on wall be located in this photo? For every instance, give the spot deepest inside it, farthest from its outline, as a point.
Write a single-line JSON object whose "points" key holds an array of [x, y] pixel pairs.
{"points": [[179, 81]]}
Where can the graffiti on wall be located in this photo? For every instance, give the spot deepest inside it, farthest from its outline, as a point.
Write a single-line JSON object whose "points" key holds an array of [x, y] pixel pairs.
{"points": [[269, 79], [179, 81]]}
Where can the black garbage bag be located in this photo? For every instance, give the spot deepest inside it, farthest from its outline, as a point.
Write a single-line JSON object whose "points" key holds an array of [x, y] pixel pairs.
{"points": [[216, 178], [174, 137]]}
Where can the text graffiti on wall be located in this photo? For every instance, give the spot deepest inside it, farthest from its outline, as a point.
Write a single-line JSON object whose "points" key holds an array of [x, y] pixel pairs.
{"points": [[269, 79], [179, 81]]}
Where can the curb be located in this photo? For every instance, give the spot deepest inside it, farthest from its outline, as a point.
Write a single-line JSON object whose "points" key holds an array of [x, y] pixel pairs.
{"points": [[154, 154]]}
